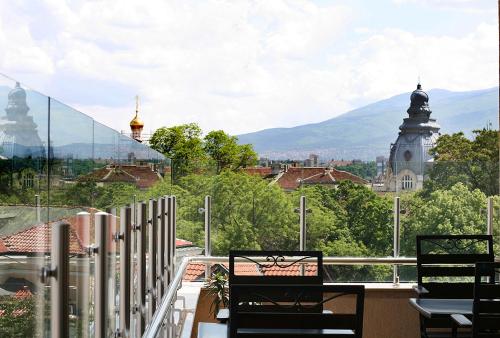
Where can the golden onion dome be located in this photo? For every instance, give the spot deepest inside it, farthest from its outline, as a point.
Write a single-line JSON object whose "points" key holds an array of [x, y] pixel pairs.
{"points": [[136, 122]]}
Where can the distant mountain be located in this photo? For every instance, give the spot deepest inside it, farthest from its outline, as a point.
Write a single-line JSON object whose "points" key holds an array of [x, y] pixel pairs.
{"points": [[367, 132]]}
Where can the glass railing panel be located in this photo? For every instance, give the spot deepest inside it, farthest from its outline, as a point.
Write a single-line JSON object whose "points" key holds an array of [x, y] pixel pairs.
{"points": [[71, 138], [449, 201], [343, 216], [71, 165], [496, 224], [24, 231]]}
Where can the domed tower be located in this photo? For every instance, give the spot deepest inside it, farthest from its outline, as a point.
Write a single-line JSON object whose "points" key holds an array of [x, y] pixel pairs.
{"points": [[19, 128], [410, 158], [136, 125]]}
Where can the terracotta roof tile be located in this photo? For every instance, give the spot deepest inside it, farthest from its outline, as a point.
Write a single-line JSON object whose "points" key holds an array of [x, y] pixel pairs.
{"points": [[260, 171], [180, 243], [37, 239], [196, 271], [293, 177], [294, 270], [142, 176]]}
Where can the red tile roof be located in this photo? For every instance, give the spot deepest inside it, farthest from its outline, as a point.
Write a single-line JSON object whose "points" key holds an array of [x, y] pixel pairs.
{"points": [[196, 271], [180, 243], [37, 239], [260, 171], [142, 176], [294, 270], [23, 293], [293, 177]]}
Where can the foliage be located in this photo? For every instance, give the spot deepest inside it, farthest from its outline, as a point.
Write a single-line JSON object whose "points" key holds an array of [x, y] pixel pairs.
{"points": [[190, 154], [471, 162], [367, 170], [18, 317], [217, 286], [458, 210], [182, 144]]}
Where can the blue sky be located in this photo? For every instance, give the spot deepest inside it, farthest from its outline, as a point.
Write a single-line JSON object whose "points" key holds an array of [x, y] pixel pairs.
{"points": [[241, 65]]}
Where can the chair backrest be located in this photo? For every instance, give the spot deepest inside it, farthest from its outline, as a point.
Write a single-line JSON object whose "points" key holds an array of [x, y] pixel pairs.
{"points": [[445, 263], [280, 267], [486, 308], [251, 307]]}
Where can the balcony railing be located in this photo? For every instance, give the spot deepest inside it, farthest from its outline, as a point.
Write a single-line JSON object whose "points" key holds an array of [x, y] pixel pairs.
{"points": [[149, 276]]}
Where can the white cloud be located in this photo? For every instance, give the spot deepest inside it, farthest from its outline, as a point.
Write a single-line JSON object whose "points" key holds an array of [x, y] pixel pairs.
{"points": [[234, 65], [467, 6]]}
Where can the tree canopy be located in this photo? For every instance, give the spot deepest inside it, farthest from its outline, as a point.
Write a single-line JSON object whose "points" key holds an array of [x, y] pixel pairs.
{"points": [[471, 162], [189, 152]]}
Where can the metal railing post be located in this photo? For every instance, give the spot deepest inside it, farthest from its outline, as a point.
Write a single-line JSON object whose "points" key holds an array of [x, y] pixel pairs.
{"points": [[38, 209], [125, 237], [303, 223], [101, 288], [152, 249], [83, 229], [171, 323], [161, 247], [489, 220], [141, 279], [58, 272], [397, 237], [174, 232], [207, 210], [168, 241], [208, 219]]}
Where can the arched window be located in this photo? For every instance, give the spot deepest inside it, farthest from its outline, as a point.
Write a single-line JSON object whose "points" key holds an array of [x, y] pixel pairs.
{"points": [[406, 182], [28, 180]]}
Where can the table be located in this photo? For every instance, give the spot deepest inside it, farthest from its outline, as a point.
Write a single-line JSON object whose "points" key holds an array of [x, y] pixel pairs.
{"points": [[438, 307]]}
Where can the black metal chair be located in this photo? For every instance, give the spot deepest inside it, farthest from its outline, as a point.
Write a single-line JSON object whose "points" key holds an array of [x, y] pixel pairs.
{"points": [[280, 267], [255, 313], [289, 263], [486, 307], [445, 269]]}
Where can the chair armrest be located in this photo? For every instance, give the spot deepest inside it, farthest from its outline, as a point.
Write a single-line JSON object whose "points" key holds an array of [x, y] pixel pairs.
{"points": [[223, 315], [420, 290], [461, 320]]}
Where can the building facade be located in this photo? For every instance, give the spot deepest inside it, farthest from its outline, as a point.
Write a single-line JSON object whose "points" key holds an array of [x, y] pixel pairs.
{"points": [[409, 158]]}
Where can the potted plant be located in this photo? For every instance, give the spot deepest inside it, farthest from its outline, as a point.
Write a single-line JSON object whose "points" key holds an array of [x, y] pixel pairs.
{"points": [[217, 288]]}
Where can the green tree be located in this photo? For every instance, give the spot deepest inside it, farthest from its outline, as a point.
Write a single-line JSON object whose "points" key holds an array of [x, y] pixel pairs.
{"points": [[246, 156], [222, 148], [471, 162], [227, 153], [459, 210], [367, 170], [183, 145]]}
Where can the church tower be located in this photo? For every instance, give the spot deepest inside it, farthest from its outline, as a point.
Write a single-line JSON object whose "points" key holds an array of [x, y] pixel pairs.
{"points": [[410, 158], [20, 134], [136, 125]]}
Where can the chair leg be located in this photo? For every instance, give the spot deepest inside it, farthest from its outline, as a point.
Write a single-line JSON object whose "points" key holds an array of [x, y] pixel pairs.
{"points": [[423, 330], [454, 331]]}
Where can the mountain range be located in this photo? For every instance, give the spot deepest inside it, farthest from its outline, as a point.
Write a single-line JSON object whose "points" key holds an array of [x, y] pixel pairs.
{"points": [[367, 132]]}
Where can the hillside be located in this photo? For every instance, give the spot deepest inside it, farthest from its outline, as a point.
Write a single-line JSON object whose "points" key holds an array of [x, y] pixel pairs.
{"points": [[368, 131]]}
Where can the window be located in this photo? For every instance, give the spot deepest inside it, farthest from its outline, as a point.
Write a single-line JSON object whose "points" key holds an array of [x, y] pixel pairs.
{"points": [[28, 180], [406, 182]]}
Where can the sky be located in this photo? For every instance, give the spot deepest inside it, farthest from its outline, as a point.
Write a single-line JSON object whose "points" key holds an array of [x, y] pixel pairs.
{"points": [[244, 66]]}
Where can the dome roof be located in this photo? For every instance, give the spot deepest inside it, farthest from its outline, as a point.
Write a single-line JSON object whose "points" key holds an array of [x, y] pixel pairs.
{"points": [[136, 122], [17, 94], [419, 97]]}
